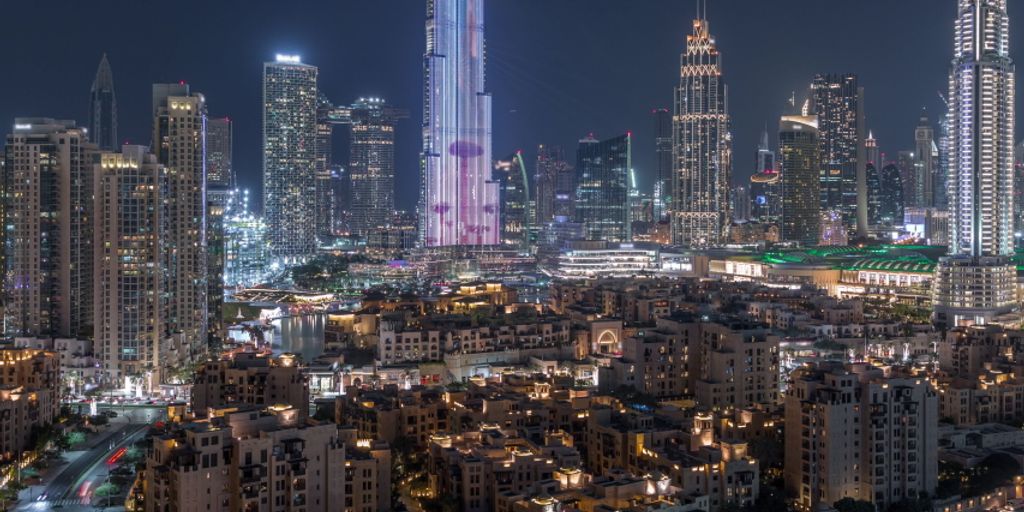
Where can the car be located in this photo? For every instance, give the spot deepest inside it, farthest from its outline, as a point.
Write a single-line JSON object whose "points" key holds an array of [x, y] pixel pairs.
{"points": [[110, 414]]}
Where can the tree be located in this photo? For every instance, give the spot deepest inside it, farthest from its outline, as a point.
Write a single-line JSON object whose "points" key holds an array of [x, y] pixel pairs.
{"points": [[852, 505]]}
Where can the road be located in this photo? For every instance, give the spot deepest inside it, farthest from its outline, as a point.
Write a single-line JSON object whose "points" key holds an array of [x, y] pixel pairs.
{"points": [[73, 486]]}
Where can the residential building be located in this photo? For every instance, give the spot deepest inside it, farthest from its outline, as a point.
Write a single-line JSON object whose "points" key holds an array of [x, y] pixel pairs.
{"points": [[289, 157]]}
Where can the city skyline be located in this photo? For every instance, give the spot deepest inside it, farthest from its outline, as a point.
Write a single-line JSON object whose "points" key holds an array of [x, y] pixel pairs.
{"points": [[527, 110]]}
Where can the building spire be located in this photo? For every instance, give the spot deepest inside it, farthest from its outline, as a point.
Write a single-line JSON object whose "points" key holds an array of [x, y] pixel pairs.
{"points": [[104, 80]]}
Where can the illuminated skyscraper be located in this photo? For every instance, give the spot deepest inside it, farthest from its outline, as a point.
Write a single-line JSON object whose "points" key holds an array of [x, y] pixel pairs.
{"points": [[179, 143], [873, 178], [219, 180], [701, 146], [103, 108], [801, 199], [765, 184], [550, 165], [514, 193], [48, 221], [890, 211], [977, 281], [459, 202], [129, 310], [219, 142], [602, 188], [926, 154], [838, 102], [371, 164], [663, 153], [289, 156]]}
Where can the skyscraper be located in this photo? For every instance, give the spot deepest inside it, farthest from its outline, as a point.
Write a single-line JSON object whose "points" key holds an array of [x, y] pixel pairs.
{"points": [[977, 282], [289, 157], [550, 163], [913, 186], [459, 203], [838, 102], [220, 179], [219, 146], [801, 197], [663, 153], [328, 117], [765, 184], [926, 154], [129, 307], [179, 143], [873, 179], [890, 211], [602, 188], [514, 193], [701, 145], [48, 188], [103, 108], [371, 163]]}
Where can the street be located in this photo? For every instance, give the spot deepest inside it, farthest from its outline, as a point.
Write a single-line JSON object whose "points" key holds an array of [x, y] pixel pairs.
{"points": [[73, 486]]}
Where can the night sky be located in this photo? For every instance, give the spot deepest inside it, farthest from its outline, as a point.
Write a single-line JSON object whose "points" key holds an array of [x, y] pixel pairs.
{"points": [[558, 69]]}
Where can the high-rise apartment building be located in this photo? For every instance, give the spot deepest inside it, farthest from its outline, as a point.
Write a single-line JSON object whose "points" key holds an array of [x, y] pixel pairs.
{"points": [[838, 102], [602, 187], [458, 203], [130, 310], [853, 433], [977, 283], [220, 137], [289, 157], [48, 247], [701, 145], [801, 199], [514, 193], [179, 143], [246, 250], [103, 108], [371, 164], [663, 152]]}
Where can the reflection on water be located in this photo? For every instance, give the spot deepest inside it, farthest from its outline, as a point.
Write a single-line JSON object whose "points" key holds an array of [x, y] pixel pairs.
{"points": [[303, 335]]}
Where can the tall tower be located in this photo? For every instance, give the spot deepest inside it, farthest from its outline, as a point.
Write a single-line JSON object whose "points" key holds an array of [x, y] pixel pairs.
{"points": [[976, 283], [838, 102], [289, 153], [48, 246], [602, 188], [514, 191], [179, 143], [925, 154], [801, 199], [220, 178], [701, 145], [372, 162], [103, 108], [458, 203], [663, 152], [873, 178], [127, 250]]}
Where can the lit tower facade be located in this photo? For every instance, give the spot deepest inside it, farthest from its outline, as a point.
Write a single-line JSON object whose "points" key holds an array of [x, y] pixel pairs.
{"points": [[976, 283], [801, 200], [179, 143], [838, 102], [514, 191], [371, 163], [289, 156], [926, 154], [459, 202], [219, 180], [663, 152], [701, 145], [103, 108], [602, 188]]}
